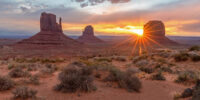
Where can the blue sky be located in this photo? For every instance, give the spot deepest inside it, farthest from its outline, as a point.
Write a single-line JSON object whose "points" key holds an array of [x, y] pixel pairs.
{"points": [[21, 17]]}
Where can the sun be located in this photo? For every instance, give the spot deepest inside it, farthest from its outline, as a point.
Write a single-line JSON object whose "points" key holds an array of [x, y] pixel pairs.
{"points": [[139, 32]]}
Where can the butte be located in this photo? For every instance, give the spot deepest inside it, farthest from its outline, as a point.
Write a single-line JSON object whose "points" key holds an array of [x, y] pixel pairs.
{"points": [[88, 36], [50, 35], [154, 33]]}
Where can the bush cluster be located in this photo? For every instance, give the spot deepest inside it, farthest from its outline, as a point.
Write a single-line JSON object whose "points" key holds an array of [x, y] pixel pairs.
{"points": [[23, 93], [74, 79], [124, 80], [5, 83]]}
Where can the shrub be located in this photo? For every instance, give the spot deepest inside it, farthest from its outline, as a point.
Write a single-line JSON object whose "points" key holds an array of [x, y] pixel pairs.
{"points": [[10, 66], [34, 80], [194, 48], [122, 59], [18, 72], [148, 70], [136, 59], [181, 57], [166, 69], [103, 59], [141, 63], [5, 83], [195, 58], [124, 80], [49, 69], [75, 78], [23, 93], [187, 77], [158, 76]]}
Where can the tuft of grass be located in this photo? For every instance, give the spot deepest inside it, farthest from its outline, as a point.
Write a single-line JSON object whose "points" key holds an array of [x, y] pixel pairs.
{"points": [[5, 83], [101, 59], [74, 79], [34, 80], [187, 77], [181, 57], [124, 80], [49, 69], [122, 59], [158, 76], [148, 70], [23, 93], [195, 58], [194, 48], [18, 72]]}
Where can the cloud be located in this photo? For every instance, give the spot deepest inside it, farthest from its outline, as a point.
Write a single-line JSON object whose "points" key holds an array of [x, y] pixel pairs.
{"points": [[195, 27], [85, 3]]}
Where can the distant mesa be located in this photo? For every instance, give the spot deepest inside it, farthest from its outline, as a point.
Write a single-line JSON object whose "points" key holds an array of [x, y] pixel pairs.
{"points": [[155, 30], [51, 32], [88, 36]]}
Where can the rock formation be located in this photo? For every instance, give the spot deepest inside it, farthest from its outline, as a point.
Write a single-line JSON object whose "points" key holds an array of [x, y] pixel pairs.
{"points": [[51, 33], [155, 30], [48, 23], [88, 36]]}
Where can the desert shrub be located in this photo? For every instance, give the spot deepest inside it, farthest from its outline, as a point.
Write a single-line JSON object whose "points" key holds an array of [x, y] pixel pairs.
{"points": [[101, 59], [194, 48], [122, 59], [195, 58], [148, 70], [32, 67], [187, 93], [166, 69], [20, 60], [5, 83], [136, 59], [18, 72], [161, 61], [34, 80], [74, 79], [24, 93], [124, 80], [49, 69], [51, 60], [158, 76], [10, 66], [187, 77], [181, 57], [141, 63], [132, 71], [194, 92]]}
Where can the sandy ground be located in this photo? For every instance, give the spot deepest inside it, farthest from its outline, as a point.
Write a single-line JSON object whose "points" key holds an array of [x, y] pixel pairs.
{"points": [[153, 90]]}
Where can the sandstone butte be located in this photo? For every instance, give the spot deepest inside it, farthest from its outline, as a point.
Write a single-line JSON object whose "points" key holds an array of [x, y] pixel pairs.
{"points": [[51, 33], [154, 31], [88, 36]]}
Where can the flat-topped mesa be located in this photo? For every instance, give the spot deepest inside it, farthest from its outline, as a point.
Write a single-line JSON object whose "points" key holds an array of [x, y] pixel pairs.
{"points": [[154, 29], [88, 36], [48, 23]]}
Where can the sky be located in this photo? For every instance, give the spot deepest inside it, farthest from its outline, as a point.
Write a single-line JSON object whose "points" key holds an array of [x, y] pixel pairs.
{"points": [[108, 17]]}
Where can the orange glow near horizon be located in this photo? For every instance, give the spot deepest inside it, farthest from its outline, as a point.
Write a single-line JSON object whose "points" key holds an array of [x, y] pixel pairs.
{"points": [[128, 28], [108, 28]]}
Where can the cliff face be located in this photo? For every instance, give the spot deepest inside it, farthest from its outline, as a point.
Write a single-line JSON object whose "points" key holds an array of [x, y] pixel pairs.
{"points": [[51, 33], [88, 36], [48, 23]]}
